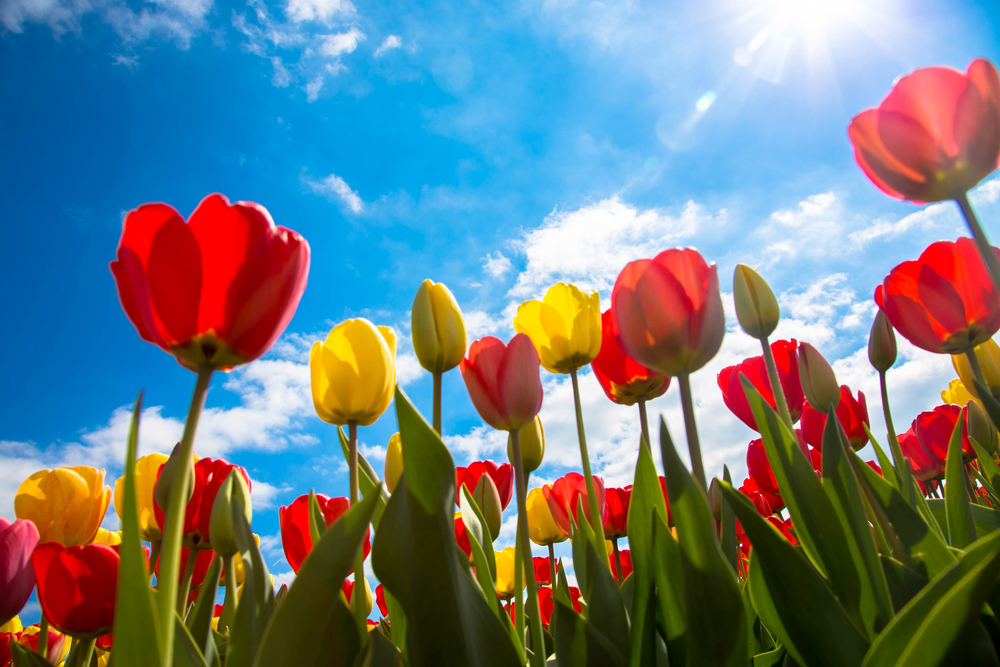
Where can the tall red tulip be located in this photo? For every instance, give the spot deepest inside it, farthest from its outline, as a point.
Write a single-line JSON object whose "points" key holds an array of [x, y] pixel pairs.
{"points": [[77, 586], [934, 136], [502, 476], [786, 359], [296, 536], [565, 494], [668, 311], [934, 428], [616, 511], [504, 381], [924, 465], [945, 301], [852, 413], [209, 474], [623, 379], [216, 291], [17, 579]]}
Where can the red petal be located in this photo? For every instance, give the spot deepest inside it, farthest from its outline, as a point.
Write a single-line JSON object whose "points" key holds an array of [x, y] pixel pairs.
{"points": [[174, 271]]}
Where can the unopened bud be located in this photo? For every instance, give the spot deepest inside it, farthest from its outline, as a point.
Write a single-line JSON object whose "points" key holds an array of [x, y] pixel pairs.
{"points": [[393, 462], [756, 308], [232, 493], [532, 441], [981, 428], [488, 500], [280, 595], [819, 383], [165, 482], [715, 497], [881, 343], [438, 328]]}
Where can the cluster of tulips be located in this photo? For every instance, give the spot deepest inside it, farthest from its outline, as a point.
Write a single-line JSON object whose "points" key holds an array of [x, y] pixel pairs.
{"points": [[819, 558]]}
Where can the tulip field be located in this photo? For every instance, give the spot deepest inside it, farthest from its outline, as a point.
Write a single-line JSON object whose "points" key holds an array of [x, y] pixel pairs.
{"points": [[817, 558]]}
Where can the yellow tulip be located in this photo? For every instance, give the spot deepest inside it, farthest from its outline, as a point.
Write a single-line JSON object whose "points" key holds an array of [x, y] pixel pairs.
{"points": [[438, 328], [368, 596], [67, 505], [353, 373], [146, 468], [393, 462], [505, 572], [565, 327], [107, 537], [239, 568], [13, 625], [988, 355], [542, 527], [957, 394]]}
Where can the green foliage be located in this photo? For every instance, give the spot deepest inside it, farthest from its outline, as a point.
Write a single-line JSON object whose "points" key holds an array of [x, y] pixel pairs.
{"points": [[961, 529], [368, 479]]}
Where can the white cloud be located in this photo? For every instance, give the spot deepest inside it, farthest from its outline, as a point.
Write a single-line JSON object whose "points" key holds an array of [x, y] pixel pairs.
{"points": [[263, 495], [496, 264], [482, 442], [479, 323], [811, 229], [987, 193], [343, 42], [317, 10], [822, 299], [932, 217], [388, 44], [408, 369], [335, 186], [282, 77]]}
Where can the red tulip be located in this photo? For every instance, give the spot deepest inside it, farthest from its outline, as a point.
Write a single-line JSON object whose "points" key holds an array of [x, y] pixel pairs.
{"points": [[203, 561], [934, 429], [546, 604], [945, 301], [851, 413], [296, 536], [934, 136], [17, 579], [380, 600], [623, 379], [209, 474], [543, 575], [105, 642], [77, 586], [504, 381], [876, 467], [759, 469], [462, 536], [751, 491], [784, 527], [924, 466], [216, 291], [616, 511], [668, 311], [29, 639], [625, 556], [565, 494], [502, 476], [786, 360]]}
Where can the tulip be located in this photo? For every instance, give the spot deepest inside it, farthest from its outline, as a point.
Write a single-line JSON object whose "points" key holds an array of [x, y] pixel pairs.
{"points": [[532, 437], [759, 469], [543, 570], [503, 381], [146, 468], [624, 560], [851, 413], [981, 427], [56, 647], [505, 572], [542, 527], [564, 495], [17, 579], [666, 499], [67, 505], [881, 343], [203, 561], [756, 308], [209, 475], [935, 427], [348, 589], [13, 625], [296, 536], [565, 327], [819, 384], [502, 476], [988, 356], [234, 490], [958, 394], [77, 586], [944, 302], [934, 136], [755, 369], [438, 328], [353, 373], [107, 538], [393, 462], [215, 292], [624, 380], [923, 465], [380, 600], [546, 603], [616, 511], [487, 499], [462, 536]]}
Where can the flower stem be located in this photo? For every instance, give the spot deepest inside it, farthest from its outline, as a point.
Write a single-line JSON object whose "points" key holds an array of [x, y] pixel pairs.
{"points": [[185, 588], [644, 423], [596, 512], [154, 555], [437, 402], [618, 560], [173, 532], [977, 369], [552, 567], [43, 636], [84, 652], [537, 638], [691, 427], [902, 465], [518, 586], [985, 251], [776, 388], [359, 599], [232, 599]]}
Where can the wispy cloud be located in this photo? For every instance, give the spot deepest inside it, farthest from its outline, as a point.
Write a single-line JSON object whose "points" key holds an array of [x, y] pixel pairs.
{"points": [[335, 187], [388, 44], [496, 264]]}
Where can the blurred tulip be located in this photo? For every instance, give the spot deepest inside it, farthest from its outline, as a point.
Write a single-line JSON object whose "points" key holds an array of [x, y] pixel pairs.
{"points": [[981, 427], [565, 327], [107, 538], [503, 381], [756, 308], [146, 469], [393, 462], [505, 572], [851, 413], [668, 311], [876, 467], [67, 505], [209, 475], [203, 561], [759, 500], [296, 536], [819, 384], [438, 328], [17, 578], [565, 494], [957, 394], [625, 557], [934, 136], [14, 624], [216, 615], [542, 528], [616, 511], [944, 302], [988, 356], [546, 604], [353, 372], [348, 589], [624, 380], [543, 571], [924, 466], [502, 475], [881, 343], [786, 360], [462, 536], [380, 601], [216, 291], [77, 586], [666, 499], [56, 648], [759, 469], [934, 428], [234, 491], [532, 440], [238, 565]]}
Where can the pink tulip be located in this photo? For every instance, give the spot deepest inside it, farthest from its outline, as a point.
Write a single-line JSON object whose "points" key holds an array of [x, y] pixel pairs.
{"points": [[503, 381], [17, 578]]}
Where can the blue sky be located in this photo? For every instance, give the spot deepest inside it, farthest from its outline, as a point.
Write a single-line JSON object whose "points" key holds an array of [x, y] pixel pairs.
{"points": [[497, 147]]}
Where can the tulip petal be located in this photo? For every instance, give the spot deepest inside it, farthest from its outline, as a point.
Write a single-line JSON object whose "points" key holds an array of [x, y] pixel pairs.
{"points": [[174, 271], [928, 96]]}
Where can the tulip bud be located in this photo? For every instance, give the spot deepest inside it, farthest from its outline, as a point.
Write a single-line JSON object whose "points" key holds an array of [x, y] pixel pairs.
{"points": [[488, 500], [368, 597], [882, 343], [280, 595], [819, 383], [438, 328], [981, 428], [221, 530], [393, 462], [166, 480], [532, 441], [756, 308], [988, 355], [715, 497]]}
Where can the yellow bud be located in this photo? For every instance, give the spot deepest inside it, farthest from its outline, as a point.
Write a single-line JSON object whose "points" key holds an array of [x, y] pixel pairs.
{"points": [[487, 499], [542, 528], [988, 355], [438, 328], [166, 481], [565, 327], [756, 308], [819, 383], [222, 532], [531, 437], [393, 462], [981, 427], [67, 505], [881, 343], [368, 596]]}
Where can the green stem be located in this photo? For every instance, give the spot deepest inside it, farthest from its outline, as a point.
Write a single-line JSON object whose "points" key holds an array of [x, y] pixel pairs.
{"points": [[982, 243], [360, 596], [537, 638], [691, 427], [644, 422], [776, 388], [977, 369], [184, 590], [43, 636], [83, 653], [231, 600], [167, 581], [552, 567], [437, 402], [518, 586], [902, 465], [596, 512], [618, 559], [154, 554]]}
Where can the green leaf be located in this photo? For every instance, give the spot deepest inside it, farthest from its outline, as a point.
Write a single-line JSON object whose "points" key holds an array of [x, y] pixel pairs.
{"points": [[884, 461], [988, 466], [772, 658], [792, 598], [199, 621], [985, 520], [605, 606], [961, 529], [728, 539], [903, 581], [136, 625], [415, 556], [368, 479], [925, 630], [186, 651], [670, 595], [475, 524], [714, 613], [25, 657], [989, 403], [380, 652], [256, 604], [313, 625], [398, 618], [317, 522], [578, 642]]}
